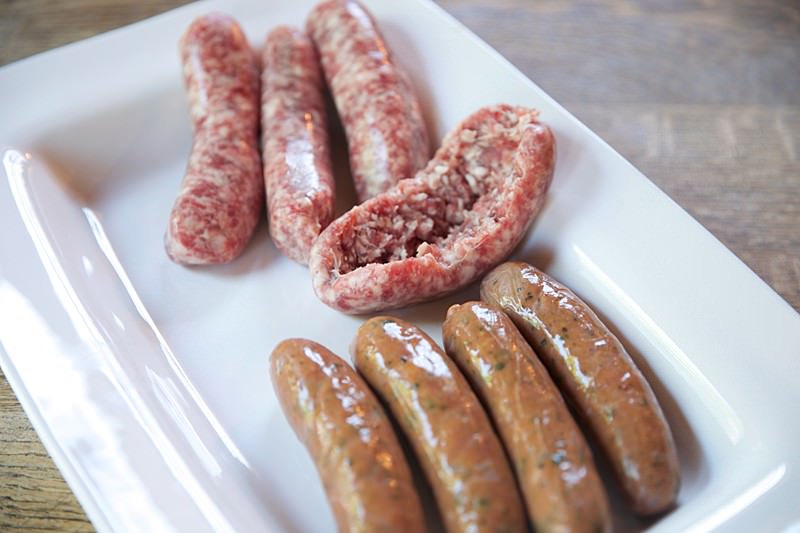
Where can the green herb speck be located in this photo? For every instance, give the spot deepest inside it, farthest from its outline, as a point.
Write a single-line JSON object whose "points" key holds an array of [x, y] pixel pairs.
{"points": [[481, 502]]}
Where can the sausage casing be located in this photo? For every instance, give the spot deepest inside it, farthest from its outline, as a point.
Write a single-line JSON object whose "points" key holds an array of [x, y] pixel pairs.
{"points": [[346, 431], [444, 228], [386, 134], [297, 163], [598, 377], [222, 193], [553, 462], [448, 429]]}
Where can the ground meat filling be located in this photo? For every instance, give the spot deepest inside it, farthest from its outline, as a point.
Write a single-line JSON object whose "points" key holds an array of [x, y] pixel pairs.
{"points": [[458, 194], [440, 230]]}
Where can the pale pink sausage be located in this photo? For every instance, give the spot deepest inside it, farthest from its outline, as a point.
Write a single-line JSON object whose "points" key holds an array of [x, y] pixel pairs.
{"points": [[297, 164], [430, 235], [222, 194], [386, 134]]}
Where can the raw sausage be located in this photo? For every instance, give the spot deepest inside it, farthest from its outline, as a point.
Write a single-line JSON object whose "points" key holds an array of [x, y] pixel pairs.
{"points": [[333, 412], [444, 228], [222, 193], [386, 134], [596, 374], [297, 164], [553, 463], [460, 454]]}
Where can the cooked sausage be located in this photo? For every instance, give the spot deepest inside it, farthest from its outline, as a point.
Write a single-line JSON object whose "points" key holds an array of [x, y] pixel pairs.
{"points": [[553, 463], [297, 163], [386, 134], [441, 230], [346, 431], [459, 451], [222, 193], [596, 374]]}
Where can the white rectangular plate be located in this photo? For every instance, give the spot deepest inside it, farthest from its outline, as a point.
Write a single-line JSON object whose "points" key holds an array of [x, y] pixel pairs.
{"points": [[148, 381]]}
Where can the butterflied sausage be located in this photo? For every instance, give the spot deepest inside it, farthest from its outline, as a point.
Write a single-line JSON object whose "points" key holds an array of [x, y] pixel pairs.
{"points": [[333, 412], [596, 374], [386, 134], [442, 418], [222, 193], [553, 463], [444, 228], [297, 164]]}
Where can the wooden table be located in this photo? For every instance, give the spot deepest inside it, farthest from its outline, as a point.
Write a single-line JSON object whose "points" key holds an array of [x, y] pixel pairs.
{"points": [[702, 96]]}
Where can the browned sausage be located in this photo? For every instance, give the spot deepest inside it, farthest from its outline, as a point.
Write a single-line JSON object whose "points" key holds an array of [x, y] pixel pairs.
{"points": [[453, 439], [346, 431], [596, 374], [554, 464]]}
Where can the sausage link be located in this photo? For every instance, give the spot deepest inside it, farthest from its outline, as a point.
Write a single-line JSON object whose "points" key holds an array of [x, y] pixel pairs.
{"points": [[553, 463], [460, 454], [596, 374], [297, 164], [386, 134], [346, 431], [441, 230], [222, 193]]}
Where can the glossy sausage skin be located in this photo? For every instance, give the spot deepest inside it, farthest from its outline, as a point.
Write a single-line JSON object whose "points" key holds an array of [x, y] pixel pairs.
{"points": [[386, 134], [598, 377], [297, 164], [346, 431], [448, 429], [222, 193], [553, 463]]}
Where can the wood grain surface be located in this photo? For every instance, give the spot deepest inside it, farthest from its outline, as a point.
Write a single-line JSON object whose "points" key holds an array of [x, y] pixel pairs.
{"points": [[703, 96]]}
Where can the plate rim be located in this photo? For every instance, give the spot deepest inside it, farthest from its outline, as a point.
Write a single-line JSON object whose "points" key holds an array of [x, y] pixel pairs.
{"points": [[73, 478]]}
